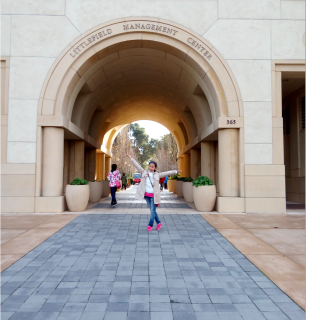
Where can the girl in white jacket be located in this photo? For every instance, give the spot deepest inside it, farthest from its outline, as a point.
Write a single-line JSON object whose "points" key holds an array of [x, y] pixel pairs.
{"points": [[149, 190]]}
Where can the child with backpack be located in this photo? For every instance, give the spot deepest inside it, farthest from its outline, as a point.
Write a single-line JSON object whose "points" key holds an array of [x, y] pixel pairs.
{"points": [[114, 178]]}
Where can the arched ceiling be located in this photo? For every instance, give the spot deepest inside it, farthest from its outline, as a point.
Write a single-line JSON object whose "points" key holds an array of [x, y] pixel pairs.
{"points": [[142, 80]]}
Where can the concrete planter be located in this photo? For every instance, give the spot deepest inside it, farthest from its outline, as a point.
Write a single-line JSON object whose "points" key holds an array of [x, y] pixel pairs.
{"points": [[179, 188], [204, 198], [169, 185], [173, 186], [187, 190], [77, 197], [105, 188], [96, 189]]}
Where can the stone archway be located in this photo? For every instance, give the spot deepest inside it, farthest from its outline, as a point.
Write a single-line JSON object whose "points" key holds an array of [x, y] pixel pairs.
{"points": [[134, 69]]}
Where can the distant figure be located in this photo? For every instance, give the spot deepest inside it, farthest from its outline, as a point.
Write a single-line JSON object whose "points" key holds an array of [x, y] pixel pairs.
{"points": [[166, 183], [114, 178], [161, 181], [124, 181]]}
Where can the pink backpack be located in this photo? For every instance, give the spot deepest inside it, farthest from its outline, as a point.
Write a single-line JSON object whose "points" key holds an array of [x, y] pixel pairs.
{"points": [[117, 182]]}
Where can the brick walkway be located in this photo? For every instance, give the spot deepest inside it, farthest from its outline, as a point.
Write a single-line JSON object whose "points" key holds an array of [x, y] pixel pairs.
{"points": [[107, 266]]}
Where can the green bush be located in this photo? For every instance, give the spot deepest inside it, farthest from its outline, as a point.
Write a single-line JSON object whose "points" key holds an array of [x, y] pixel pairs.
{"points": [[202, 181], [175, 177], [180, 178], [187, 179], [78, 181]]}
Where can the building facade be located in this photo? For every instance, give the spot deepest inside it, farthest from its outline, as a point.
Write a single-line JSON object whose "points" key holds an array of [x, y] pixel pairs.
{"points": [[226, 77]]}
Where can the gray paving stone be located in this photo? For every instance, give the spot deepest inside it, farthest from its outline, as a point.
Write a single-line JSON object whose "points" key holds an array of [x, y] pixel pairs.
{"points": [[138, 307], [220, 298], [6, 315], [69, 315], [277, 315], [115, 316], [230, 316], [139, 299], [161, 315], [296, 315], [107, 262], [203, 307], [184, 316], [50, 307], [160, 307], [288, 306], [181, 298], [47, 315], [181, 307], [225, 307], [74, 306], [266, 306], [253, 315], [239, 298], [117, 307], [92, 316], [138, 315]]}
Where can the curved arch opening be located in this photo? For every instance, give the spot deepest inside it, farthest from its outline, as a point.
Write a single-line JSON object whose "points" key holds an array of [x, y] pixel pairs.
{"points": [[114, 75], [138, 81]]}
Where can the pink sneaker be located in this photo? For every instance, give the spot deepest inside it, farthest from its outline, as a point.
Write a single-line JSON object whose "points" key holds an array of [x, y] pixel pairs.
{"points": [[149, 228], [159, 226]]}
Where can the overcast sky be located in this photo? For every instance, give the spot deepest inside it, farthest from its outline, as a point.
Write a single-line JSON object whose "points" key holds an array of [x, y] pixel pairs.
{"points": [[154, 129]]}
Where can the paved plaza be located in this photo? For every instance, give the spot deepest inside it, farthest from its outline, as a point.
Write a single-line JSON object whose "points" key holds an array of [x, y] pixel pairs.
{"points": [[107, 266]]}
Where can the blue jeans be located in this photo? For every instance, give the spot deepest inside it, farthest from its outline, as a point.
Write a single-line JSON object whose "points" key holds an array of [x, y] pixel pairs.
{"points": [[152, 206], [113, 194]]}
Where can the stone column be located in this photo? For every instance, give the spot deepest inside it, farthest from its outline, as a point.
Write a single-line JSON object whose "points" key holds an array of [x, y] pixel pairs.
{"points": [[193, 164], [90, 164], [186, 165], [198, 162], [205, 159], [52, 162], [208, 160], [79, 159], [181, 166], [228, 163], [107, 166], [100, 166], [71, 160], [66, 165]]}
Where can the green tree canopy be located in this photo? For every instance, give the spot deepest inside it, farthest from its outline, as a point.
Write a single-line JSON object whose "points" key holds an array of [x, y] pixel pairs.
{"points": [[145, 149]]}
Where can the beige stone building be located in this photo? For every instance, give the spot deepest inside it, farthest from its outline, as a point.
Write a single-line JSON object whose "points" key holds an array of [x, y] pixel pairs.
{"points": [[226, 77]]}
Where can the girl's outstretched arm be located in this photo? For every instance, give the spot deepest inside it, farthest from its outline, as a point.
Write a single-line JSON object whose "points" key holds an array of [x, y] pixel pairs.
{"points": [[136, 164], [168, 173]]}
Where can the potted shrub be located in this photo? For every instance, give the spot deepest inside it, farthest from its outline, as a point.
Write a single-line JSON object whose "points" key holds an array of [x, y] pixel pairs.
{"points": [[172, 183], [179, 182], [187, 189], [77, 195], [105, 188], [204, 194], [96, 188]]}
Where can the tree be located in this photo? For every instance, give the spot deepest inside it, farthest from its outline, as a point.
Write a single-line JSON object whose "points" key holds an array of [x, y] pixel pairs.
{"points": [[145, 149], [121, 146], [167, 152], [132, 139]]}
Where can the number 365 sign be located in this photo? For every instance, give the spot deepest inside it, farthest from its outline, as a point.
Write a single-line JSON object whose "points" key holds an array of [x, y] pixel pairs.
{"points": [[228, 122]]}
